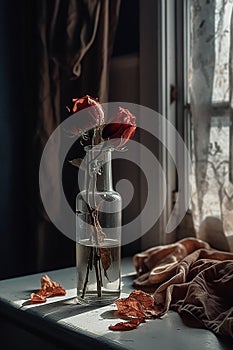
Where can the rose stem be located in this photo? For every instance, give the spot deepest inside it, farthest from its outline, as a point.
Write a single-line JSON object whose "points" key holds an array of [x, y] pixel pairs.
{"points": [[89, 264], [87, 273], [96, 255], [101, 281], [96, 140], [94, 220], [96, 259]]}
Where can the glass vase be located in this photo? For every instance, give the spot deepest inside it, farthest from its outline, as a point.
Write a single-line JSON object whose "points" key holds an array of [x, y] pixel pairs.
{"points": [[98, 232]]}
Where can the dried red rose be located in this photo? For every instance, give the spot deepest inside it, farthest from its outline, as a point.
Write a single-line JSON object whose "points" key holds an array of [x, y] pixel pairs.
{"points": [[120, 128], [48, 289], [94, 116]]}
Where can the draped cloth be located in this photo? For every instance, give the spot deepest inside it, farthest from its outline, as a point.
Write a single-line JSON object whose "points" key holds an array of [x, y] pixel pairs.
{"points": [[191, 278], [74, 42]]}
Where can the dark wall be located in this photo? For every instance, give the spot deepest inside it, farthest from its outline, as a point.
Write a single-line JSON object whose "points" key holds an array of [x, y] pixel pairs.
{"points": [[127, 34], [15, 122], [18, 127]]}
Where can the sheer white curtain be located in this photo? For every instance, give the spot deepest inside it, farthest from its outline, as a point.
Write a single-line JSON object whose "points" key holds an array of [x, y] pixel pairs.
{"points": [[211, 100]]}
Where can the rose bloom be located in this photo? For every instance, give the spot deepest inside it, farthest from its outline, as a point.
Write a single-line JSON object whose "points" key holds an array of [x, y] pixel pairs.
{"points": [[94, 116], [120, 128]]}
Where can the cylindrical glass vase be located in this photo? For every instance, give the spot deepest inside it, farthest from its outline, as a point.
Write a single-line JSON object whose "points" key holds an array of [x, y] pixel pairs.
{"points": [[98, 232]]}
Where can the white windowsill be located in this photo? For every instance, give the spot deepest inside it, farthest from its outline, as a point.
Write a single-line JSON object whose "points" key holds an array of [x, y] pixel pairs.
{"points": [[61, 321]]}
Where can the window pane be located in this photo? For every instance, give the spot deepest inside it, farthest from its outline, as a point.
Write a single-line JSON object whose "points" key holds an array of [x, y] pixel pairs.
{"points": [[217, 165], [210, 73], [223, 11], [222, 49]]}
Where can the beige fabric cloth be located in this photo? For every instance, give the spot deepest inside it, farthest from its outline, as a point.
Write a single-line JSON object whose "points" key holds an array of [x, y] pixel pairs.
{"points": [[192, 279]]}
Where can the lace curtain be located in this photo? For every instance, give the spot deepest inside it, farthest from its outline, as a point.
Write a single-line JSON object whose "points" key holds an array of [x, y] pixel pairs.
{"points": [[211, 101]]}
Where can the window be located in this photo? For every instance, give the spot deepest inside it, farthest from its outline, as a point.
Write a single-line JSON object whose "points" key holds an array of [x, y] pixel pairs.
{"points": [[190, 45], [162, 79], [207, 111]]}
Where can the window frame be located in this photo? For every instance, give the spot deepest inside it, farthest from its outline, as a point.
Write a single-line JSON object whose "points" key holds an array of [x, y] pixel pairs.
{"points": [[157, 74]]}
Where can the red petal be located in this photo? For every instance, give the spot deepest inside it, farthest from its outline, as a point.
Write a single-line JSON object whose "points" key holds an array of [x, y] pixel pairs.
{"points": [[95, 116], [130, 307], [37, 298], [48, 289], [138, 304], [121, 125], [145, 299], [126, 326]]}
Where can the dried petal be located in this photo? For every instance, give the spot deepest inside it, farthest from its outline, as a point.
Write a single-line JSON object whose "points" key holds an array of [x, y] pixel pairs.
{"points": [[127, 326], [37, 298], [106, 260], [48, 289], [130, 307], [94, 116], [120, 128], [138, 304], [145, 299]]}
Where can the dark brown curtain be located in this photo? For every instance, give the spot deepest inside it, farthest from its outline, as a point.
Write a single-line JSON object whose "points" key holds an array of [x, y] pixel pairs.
{"points": [[75, 40], [52, 51]]}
